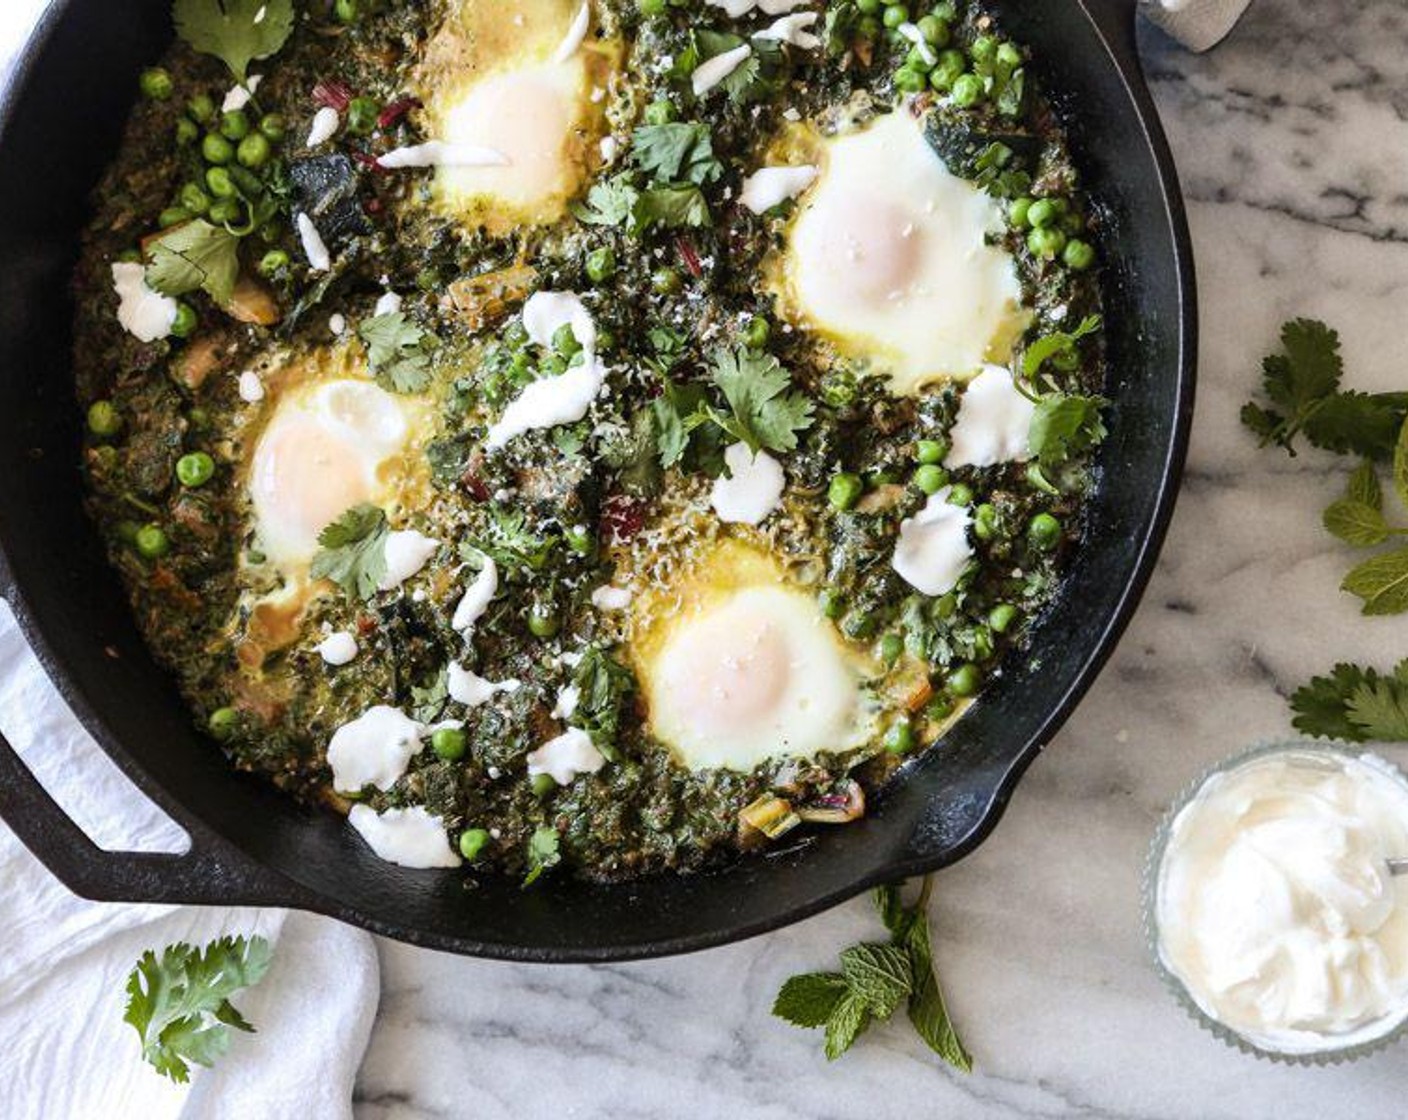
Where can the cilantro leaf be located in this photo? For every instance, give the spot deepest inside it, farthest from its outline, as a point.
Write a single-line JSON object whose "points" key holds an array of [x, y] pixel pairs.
{"points": [[1058, 347], [674, 207], [612, 202], [1352, 423], [513, 542], [193, 256], [1310, 368], [810, 999], [677, 152], [179, 1003], [1064, 426], [353, 551], [1380, 710], [766, 412], [1356, 523], [1355, 704], [235, 31], [1382, 582], [396, 349], [543, 853]]}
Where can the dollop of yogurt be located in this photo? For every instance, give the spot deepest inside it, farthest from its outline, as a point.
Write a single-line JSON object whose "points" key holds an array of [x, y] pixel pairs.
{"points": [[1275, 905]]}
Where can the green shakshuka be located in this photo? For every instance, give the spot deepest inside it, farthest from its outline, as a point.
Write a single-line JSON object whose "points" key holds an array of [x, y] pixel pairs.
{"points": [[599, 437]]}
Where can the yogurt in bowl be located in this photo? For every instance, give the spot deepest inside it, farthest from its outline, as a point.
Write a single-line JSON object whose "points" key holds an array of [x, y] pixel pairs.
{"points": [[1272, 906]]}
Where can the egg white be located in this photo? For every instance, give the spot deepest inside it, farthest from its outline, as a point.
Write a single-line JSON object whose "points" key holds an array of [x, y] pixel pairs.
{"points": [[738, 666], [888, 260]]}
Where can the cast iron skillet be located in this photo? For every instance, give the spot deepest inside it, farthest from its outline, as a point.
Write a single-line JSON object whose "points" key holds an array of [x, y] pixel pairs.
{"points": [[60, 122]]}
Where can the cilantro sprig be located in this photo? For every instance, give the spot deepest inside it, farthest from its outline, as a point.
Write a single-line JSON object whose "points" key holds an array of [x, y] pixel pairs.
{"points": [[764, 410], [1064, 425], [672, 163], [353, 551], [874, 980], [398, 351], [1303, 386], [1356, 704], [195, 256], [544, 853], [179, 1002], [237, 32]]}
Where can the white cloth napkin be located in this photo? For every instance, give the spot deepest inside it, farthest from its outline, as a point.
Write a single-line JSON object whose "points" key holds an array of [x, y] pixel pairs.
{"points": [[64, 964], [1198, 24]]}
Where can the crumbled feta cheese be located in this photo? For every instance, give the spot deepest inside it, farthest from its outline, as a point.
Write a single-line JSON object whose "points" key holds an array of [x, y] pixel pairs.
{"points": [[388, 304], [240, 96], [326, 122], [337, 324], [568, 698], [314, 248]]}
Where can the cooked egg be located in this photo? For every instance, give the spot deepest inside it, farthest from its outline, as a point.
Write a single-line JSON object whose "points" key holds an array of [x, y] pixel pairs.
{"points": [[739, 666], [524, 81], [888, 260]]}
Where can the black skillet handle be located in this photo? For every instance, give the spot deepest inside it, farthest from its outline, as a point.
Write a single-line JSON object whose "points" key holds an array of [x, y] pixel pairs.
{"points": [[200, 876]]}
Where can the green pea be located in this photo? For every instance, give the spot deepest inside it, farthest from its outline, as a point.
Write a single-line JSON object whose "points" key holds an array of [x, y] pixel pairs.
{"points": [[1043, 213], [1008, 58], [472, 842], [910, 80], [985, 522], [899, 737], [274, 261], [652, 8], [1020, 213], [930, 479], [1078, 255], [225, 211], [580, 540], [543, 784], [1044, 532], [1002, 617], [918, 59], [660, 112], [186, 321], [254, 151], [839, 389], [965, 680], [347, 11], [968, 90], [931, 451], [104, 421], [186, 132], [895, 14], [194, 199], [218, 180], [869, 28], [939, 708], [552, 366], [103, 459], [234, 125], [601, 265], [960, 494], [983, 646], [870, 7], [845, 491], [216, 149], [935, 31], [859, 625], [195, 469], [156, 83], [152, 542], [449, 743], [666, 281], [949, 68], [564, 341], [544, 622], [984, 49], [173, 216], [223, 723], [273, 127], [757, 333], [361, 116], [201, 108], [1046, 243], [891, 647], [832, 603]]}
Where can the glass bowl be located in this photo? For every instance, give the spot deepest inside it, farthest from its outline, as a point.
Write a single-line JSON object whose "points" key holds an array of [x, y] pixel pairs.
{"points": [[1354, 1046]]}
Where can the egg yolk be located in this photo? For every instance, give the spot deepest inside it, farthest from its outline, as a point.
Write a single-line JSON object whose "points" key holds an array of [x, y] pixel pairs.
{"points": [[881, 251], [304, 479], [740, 674]]}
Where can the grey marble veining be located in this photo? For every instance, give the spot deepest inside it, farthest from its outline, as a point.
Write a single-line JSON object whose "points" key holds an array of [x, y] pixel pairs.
{"points": [[1292, 139]]}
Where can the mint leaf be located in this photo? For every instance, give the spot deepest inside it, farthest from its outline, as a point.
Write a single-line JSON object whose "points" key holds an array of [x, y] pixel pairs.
{"points": [[880, 975], [891, 908], [1364, 486], [235, 31], [1356, 523], [195, 256], [353, 551], [179, 1003], [927, 1010], [810, 999], [845, 1025], [1382, 582]]}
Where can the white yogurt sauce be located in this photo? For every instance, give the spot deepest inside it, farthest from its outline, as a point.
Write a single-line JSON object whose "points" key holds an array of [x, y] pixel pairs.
{"points": [[1275, 907], [751, 491], [407, 552], [477, 597], [570, 754], [326, 122], [772, 186], [470, 689], [933, 547], [994, 422], [408, 837], [373, 750], [339, 649]]}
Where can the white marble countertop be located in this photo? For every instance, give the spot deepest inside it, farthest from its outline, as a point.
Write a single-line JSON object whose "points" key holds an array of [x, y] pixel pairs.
{"points": [[1292, 139]]}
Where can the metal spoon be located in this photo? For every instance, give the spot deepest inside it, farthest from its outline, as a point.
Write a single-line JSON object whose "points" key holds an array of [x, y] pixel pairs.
{"points": [[1397, 866]]}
